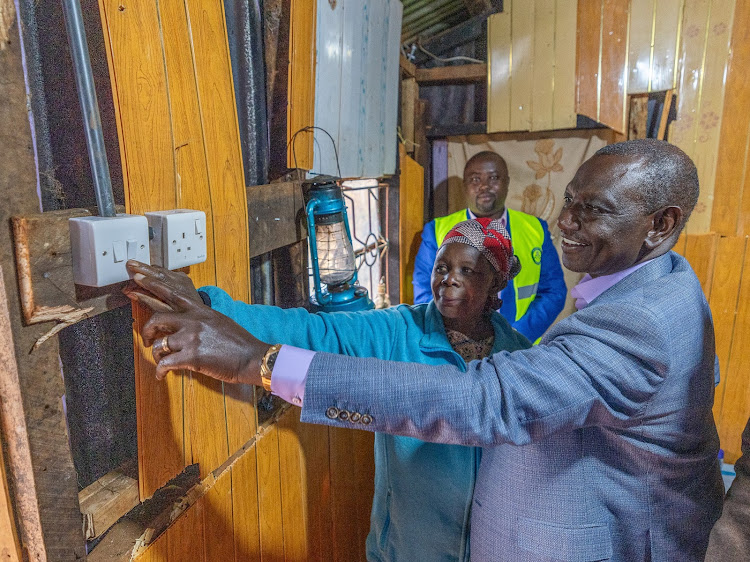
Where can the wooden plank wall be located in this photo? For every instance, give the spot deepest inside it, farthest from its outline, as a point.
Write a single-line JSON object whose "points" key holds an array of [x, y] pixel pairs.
{"points": [[704, 55], [653, 43], [301, 102], [290, 491], [601, 60], [701, 48], [411, 220], [731, 208], [531, 57], [722, 263], [637, 46]]}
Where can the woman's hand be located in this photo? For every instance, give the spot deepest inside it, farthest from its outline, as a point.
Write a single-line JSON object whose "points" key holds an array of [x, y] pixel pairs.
{"points": [[190, 335]]}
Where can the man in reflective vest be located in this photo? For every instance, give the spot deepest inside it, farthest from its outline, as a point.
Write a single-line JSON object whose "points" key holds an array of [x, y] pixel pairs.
{"points": [[532, 300]]}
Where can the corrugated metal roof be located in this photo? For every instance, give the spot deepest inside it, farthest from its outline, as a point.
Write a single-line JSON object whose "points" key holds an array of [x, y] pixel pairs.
{"points": [[425, 18]]}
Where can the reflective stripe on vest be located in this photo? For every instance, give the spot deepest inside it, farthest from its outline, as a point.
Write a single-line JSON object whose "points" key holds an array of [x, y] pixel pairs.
{"points": [[528, 237]]}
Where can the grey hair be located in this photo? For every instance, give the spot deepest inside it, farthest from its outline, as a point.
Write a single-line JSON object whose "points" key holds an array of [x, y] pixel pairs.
{"points": [[668, 175]]}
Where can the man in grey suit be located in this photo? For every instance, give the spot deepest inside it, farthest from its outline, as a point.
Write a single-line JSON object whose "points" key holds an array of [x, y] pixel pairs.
{"points": [[600, 442]]}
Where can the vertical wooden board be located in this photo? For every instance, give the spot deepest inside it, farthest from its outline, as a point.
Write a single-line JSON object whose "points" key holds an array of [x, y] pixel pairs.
{"points": [[666, 38], [189, 148], [700, 251], [159, 404], [269, 495], [364, 453], [679, 247], [241, 419], [328, 64], [736, 403], [9, 545], [708, 127], [724, 293], [564, 104], [301, 101], [245, 507], [187, 537], [499, 61], [218, 520], [522, 50], [588, 54], [409, 96], [208, 417], [218, 114], [313, 442], [691, 54], [157, 551], [731, 205], [344, 495], [411, 221], [294, 489], [543, 68], [141, 104], [613, 91], [640, 45], [143, 117]]}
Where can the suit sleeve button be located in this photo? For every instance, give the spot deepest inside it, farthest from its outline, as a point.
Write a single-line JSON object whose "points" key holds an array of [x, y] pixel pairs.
{"points": [[355, 417], [366, 419], [343, 415], [332, 413]]}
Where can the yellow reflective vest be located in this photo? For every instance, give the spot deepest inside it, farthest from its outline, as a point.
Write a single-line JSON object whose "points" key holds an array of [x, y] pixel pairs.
{"points": [[527, 239]]}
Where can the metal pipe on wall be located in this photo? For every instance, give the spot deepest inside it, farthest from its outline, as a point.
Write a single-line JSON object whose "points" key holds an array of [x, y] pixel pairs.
{"points": [[92, 123]]}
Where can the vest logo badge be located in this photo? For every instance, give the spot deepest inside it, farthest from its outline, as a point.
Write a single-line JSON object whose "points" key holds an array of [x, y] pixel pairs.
{"points": [[536, 255]]}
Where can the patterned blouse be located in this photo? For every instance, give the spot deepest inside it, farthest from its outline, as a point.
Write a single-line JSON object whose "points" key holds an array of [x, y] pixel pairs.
{"points": [[468, 348]]}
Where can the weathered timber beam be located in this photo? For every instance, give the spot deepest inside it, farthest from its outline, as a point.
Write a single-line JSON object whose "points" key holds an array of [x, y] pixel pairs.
{"points": [[459, 74], [275, 216], [45, 271], [453, 130], [16, 442], [108, 499], [407, 66]]}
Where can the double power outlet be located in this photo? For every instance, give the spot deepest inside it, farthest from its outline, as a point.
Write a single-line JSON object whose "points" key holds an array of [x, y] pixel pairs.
{"points": [[102, 245]]}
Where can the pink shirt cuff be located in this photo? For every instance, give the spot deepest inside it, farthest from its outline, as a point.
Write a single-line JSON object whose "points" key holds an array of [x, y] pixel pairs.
{"points": [[290, 373]]}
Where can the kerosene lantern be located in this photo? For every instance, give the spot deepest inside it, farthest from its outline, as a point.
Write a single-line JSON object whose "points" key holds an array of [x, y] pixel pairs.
{"points": [[332, 256]]}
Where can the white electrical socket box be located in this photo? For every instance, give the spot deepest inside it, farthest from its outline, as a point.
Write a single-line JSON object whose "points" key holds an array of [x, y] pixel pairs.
{"points": [[178, 237], [101, 246]]}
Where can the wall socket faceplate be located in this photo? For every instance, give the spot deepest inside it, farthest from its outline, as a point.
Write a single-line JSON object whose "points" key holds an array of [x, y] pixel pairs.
{"points": [[178, 237], [100, 246]]}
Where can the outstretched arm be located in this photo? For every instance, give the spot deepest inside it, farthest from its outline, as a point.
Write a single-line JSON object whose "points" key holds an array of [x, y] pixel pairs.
{"points": [[601, 371]]}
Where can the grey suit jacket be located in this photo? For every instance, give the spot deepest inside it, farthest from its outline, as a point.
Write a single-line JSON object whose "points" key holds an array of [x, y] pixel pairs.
{"points": [[730, 537], [599, 443]]}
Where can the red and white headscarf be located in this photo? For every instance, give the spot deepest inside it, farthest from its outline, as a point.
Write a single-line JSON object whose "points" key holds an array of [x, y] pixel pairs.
{"points": [[491, 239]]}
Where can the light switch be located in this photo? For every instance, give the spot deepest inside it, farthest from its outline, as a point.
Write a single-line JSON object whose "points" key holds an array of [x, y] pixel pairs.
{"points": [[133, 249], [119, 248], [101, 247]]}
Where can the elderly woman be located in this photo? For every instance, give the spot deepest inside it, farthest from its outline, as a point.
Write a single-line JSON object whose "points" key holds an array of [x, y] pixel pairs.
{"points": [[423, 491]]}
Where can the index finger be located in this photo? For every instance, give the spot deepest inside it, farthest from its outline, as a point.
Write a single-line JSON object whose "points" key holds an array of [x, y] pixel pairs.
{"points": [[165, 292]]}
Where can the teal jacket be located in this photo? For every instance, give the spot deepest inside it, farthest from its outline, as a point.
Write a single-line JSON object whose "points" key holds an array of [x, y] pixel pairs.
{"points": [[423, 491]]}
